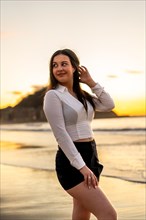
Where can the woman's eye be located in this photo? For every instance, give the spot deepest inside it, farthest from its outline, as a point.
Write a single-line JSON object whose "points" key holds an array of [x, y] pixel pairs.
{"points": [[64, 64], [54, 65]]}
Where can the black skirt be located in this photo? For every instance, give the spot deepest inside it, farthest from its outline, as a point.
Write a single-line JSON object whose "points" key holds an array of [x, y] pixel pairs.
{"points": [[68, 175]]}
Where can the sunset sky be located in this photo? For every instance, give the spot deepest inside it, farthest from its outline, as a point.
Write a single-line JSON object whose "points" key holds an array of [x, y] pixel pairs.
{"points": [[108, 37]]}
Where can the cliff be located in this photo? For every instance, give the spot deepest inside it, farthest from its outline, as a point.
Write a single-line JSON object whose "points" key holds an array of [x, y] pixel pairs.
{"points": [[30, 109]]}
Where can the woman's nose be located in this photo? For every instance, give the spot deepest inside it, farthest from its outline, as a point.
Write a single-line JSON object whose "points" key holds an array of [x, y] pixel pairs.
{"points": [[60, 67]]}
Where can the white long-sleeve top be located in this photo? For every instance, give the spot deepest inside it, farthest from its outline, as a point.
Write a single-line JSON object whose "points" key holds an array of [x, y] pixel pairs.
{"points": [[70, 121]]}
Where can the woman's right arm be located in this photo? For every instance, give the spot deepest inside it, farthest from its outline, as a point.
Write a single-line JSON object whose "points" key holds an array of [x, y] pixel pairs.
{"points": [[53, 112]]}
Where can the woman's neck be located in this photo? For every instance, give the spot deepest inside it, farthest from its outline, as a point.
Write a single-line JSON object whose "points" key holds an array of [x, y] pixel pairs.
{"points": [[69, 86]]}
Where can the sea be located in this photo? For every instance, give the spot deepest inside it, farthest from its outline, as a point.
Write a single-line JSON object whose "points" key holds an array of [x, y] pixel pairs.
{"points": [[120, 145]]}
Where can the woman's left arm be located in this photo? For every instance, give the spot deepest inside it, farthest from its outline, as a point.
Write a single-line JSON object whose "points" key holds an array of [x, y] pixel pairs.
{"points": [[102, 100]]}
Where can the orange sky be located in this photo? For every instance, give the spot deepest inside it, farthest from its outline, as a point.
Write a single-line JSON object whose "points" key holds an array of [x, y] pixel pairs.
{"points": [[130, 107]]}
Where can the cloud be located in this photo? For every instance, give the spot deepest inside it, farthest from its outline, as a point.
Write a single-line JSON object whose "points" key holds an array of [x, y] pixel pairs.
{"points": [[112, 76], [37, 87], [16, 92], [133, 71], [7, 34]]}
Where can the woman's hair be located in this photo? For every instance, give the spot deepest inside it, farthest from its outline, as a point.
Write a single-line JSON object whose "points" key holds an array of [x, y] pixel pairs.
{"points": [[81, 94]]}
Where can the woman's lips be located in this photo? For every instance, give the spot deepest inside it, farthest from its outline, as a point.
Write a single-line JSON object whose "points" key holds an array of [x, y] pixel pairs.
{"points": [[61, 74]]}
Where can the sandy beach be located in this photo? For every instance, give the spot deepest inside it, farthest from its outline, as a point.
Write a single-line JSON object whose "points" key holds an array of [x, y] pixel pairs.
{"points": [[27, 194], [30, 189]]}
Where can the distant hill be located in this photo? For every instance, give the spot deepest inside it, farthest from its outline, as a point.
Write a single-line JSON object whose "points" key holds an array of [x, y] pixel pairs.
{"points": [[110, 114], [34, 100], [30, 109]]}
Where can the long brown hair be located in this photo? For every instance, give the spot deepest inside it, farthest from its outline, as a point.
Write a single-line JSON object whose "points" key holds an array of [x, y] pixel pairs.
{"points": [[81, 94]]}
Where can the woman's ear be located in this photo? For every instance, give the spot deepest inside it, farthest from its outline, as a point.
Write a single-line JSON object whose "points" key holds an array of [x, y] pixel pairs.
{"points": [[74, 69]]}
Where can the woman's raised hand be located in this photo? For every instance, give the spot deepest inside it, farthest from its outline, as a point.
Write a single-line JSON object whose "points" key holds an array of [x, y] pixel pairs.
{"points": [[85, 76]]}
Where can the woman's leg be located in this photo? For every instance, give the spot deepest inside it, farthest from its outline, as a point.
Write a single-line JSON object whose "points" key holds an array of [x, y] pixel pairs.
{"points": [[79, 211], [94, 200]]}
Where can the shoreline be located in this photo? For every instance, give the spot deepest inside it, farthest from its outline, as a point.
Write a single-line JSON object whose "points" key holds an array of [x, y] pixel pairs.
{"points": [[38, 195], [53, 170], [43, 121]]}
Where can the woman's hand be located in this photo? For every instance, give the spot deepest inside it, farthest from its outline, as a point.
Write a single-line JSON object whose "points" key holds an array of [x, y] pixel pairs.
{"points": [[89, 177], [85, 76]]}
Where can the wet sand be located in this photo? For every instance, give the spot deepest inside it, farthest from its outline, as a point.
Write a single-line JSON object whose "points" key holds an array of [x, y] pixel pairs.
{"points": [[30, 194]]}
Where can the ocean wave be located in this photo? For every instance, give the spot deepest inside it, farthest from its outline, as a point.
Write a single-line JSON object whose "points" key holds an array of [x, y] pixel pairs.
{"points": [[126, 179], [98, 125], [94, 129], [141, 181], [28, 167], [120, 129], [25, 129]]}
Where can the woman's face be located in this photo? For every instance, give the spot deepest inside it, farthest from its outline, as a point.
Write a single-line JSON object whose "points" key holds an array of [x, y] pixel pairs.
{"points": [[62, 69]]}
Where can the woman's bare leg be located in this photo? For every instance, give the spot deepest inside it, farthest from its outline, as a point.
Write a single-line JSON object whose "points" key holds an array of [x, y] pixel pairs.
{"points": [[79, 211], [94, 200]]}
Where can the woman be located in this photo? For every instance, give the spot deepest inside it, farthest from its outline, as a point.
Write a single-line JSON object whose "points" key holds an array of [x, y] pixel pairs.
{"points": [[70, 110]]}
